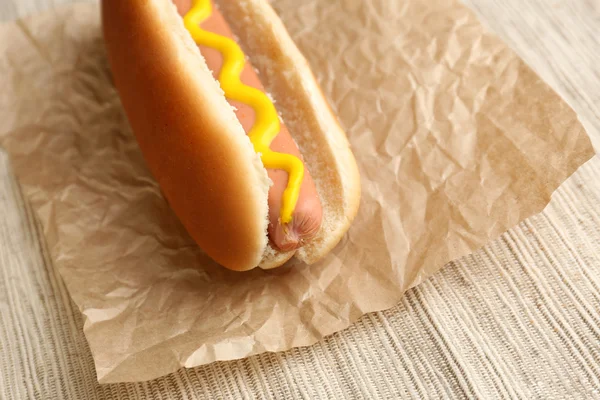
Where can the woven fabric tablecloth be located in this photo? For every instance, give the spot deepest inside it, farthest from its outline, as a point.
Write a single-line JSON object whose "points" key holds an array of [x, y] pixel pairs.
{"points": [[517, 319]]}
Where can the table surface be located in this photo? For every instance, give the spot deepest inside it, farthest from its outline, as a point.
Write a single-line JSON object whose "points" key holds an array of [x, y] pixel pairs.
{"points": [[518, 319]]}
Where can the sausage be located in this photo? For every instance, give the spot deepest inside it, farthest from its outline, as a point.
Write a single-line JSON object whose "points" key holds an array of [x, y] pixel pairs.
{"points": [[307, 216]]}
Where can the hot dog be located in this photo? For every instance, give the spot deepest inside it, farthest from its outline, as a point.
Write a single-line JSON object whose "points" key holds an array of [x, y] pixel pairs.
{"points": [[306, 218], [231, 195]]}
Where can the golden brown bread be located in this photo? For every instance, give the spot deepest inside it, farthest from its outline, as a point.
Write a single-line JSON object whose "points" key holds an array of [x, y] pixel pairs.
{"points": [[196, 148]]}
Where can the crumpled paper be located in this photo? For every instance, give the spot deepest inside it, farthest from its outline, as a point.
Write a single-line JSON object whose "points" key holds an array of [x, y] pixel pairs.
{"points": [[457, 140]]}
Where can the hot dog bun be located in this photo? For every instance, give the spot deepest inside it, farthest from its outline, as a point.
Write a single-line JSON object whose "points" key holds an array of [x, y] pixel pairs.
{"points": [[196, 148]]}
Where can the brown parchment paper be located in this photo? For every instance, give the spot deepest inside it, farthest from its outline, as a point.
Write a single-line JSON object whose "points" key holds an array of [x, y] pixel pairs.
{"points": [[457, 140]]}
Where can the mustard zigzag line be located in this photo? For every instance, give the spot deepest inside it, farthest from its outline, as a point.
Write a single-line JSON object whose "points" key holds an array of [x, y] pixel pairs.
{"points": [[266, 125]]}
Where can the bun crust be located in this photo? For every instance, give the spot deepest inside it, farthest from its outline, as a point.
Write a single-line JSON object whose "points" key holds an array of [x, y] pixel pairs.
{"points": [[196, 148], [188, 133]]}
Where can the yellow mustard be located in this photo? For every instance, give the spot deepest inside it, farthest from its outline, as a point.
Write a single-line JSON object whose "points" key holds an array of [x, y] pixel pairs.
{"points": [[266, 126]]}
